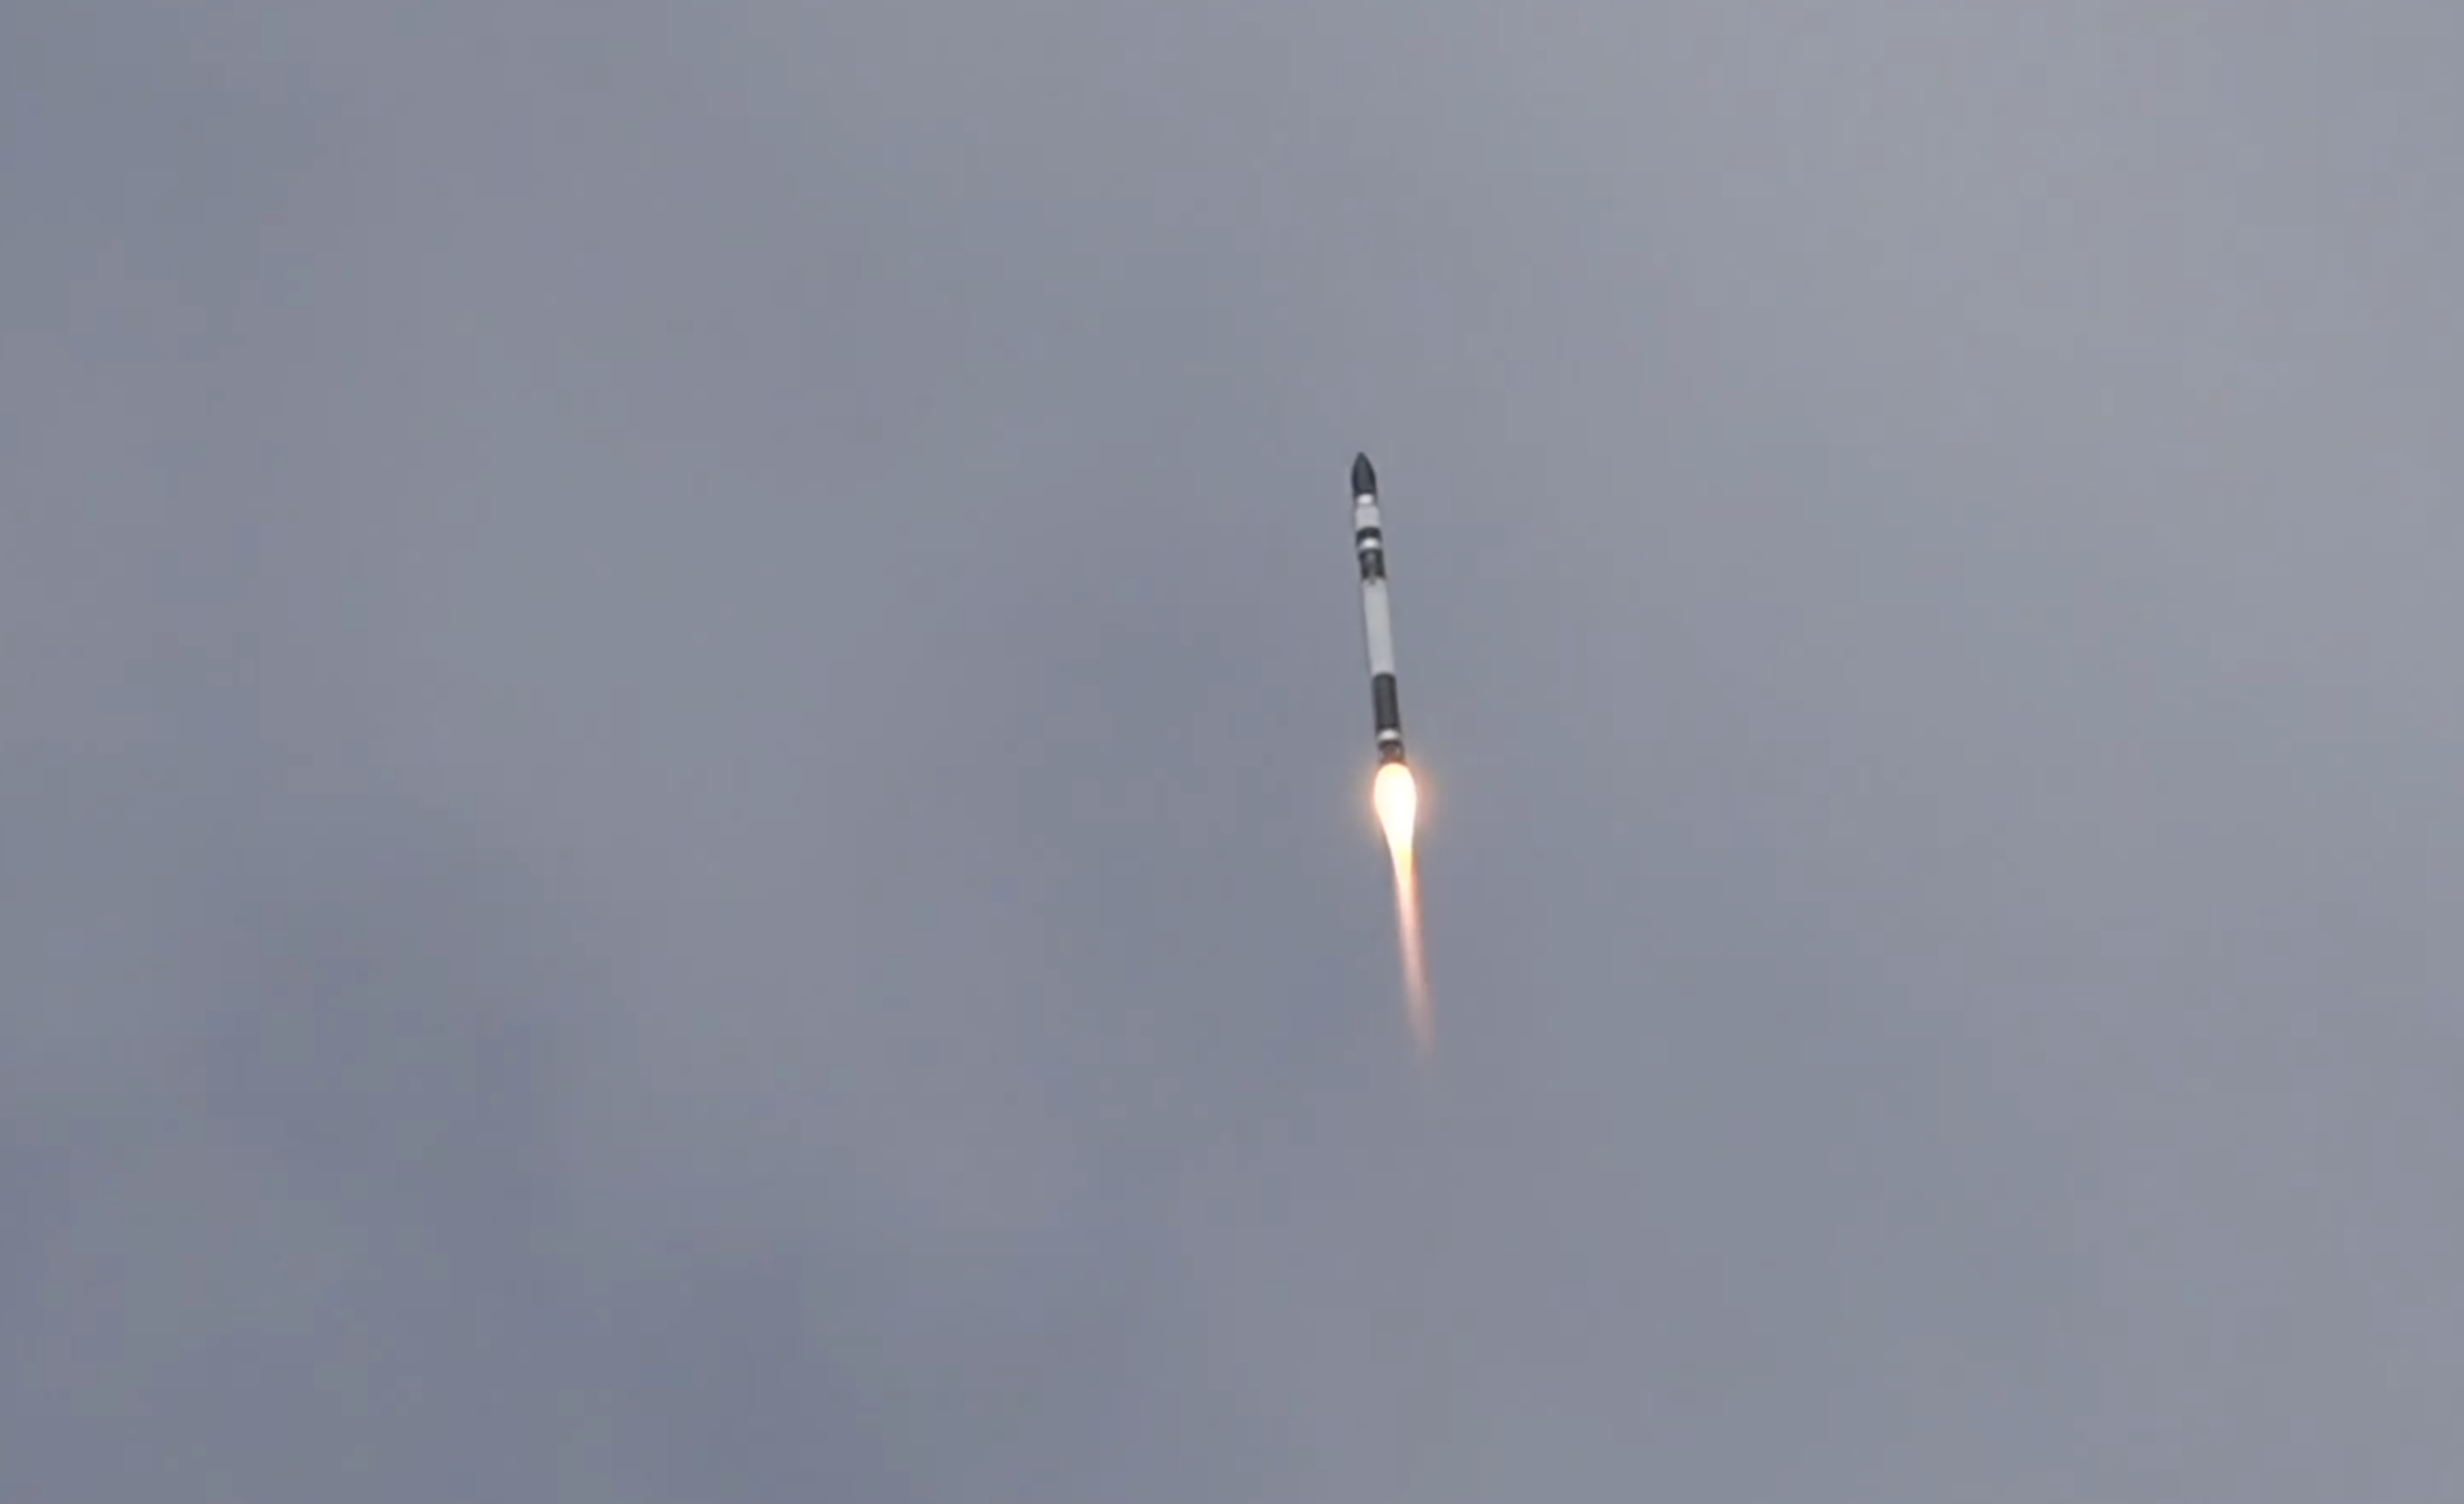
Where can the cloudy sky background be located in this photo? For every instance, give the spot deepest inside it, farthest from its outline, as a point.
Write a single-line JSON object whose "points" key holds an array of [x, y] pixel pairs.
{"points": [[685, 754]]}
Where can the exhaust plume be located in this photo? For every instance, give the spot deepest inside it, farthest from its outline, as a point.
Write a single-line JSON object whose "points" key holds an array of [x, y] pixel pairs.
{"points": [[1398, 799]]}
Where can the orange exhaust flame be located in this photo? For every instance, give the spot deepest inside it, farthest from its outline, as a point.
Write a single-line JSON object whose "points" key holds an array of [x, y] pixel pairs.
{"points": [[1398, 799]]}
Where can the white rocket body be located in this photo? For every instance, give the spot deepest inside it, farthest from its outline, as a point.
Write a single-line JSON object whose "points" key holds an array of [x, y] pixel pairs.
{"points": [[1376, 618]]}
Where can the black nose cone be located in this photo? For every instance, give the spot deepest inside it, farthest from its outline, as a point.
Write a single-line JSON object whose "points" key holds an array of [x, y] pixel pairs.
{"points": [[1364, 477]]}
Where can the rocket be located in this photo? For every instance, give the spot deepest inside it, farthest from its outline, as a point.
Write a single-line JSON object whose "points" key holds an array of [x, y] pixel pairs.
{"points": [[1376, 623], [1392, 792]]}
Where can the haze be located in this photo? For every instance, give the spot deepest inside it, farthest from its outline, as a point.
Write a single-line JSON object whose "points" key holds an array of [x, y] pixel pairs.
{"points": [[686, 761]]}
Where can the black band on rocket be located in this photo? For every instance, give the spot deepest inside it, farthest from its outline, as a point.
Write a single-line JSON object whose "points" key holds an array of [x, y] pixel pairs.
{"points": [[1382, 704]]}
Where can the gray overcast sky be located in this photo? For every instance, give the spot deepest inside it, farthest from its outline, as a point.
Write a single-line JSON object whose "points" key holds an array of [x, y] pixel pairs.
{"points": [[685, 753]]}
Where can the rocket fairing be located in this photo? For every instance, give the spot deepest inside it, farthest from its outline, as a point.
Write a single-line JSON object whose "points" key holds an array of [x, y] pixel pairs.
{"points": [[1377, 623]]}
